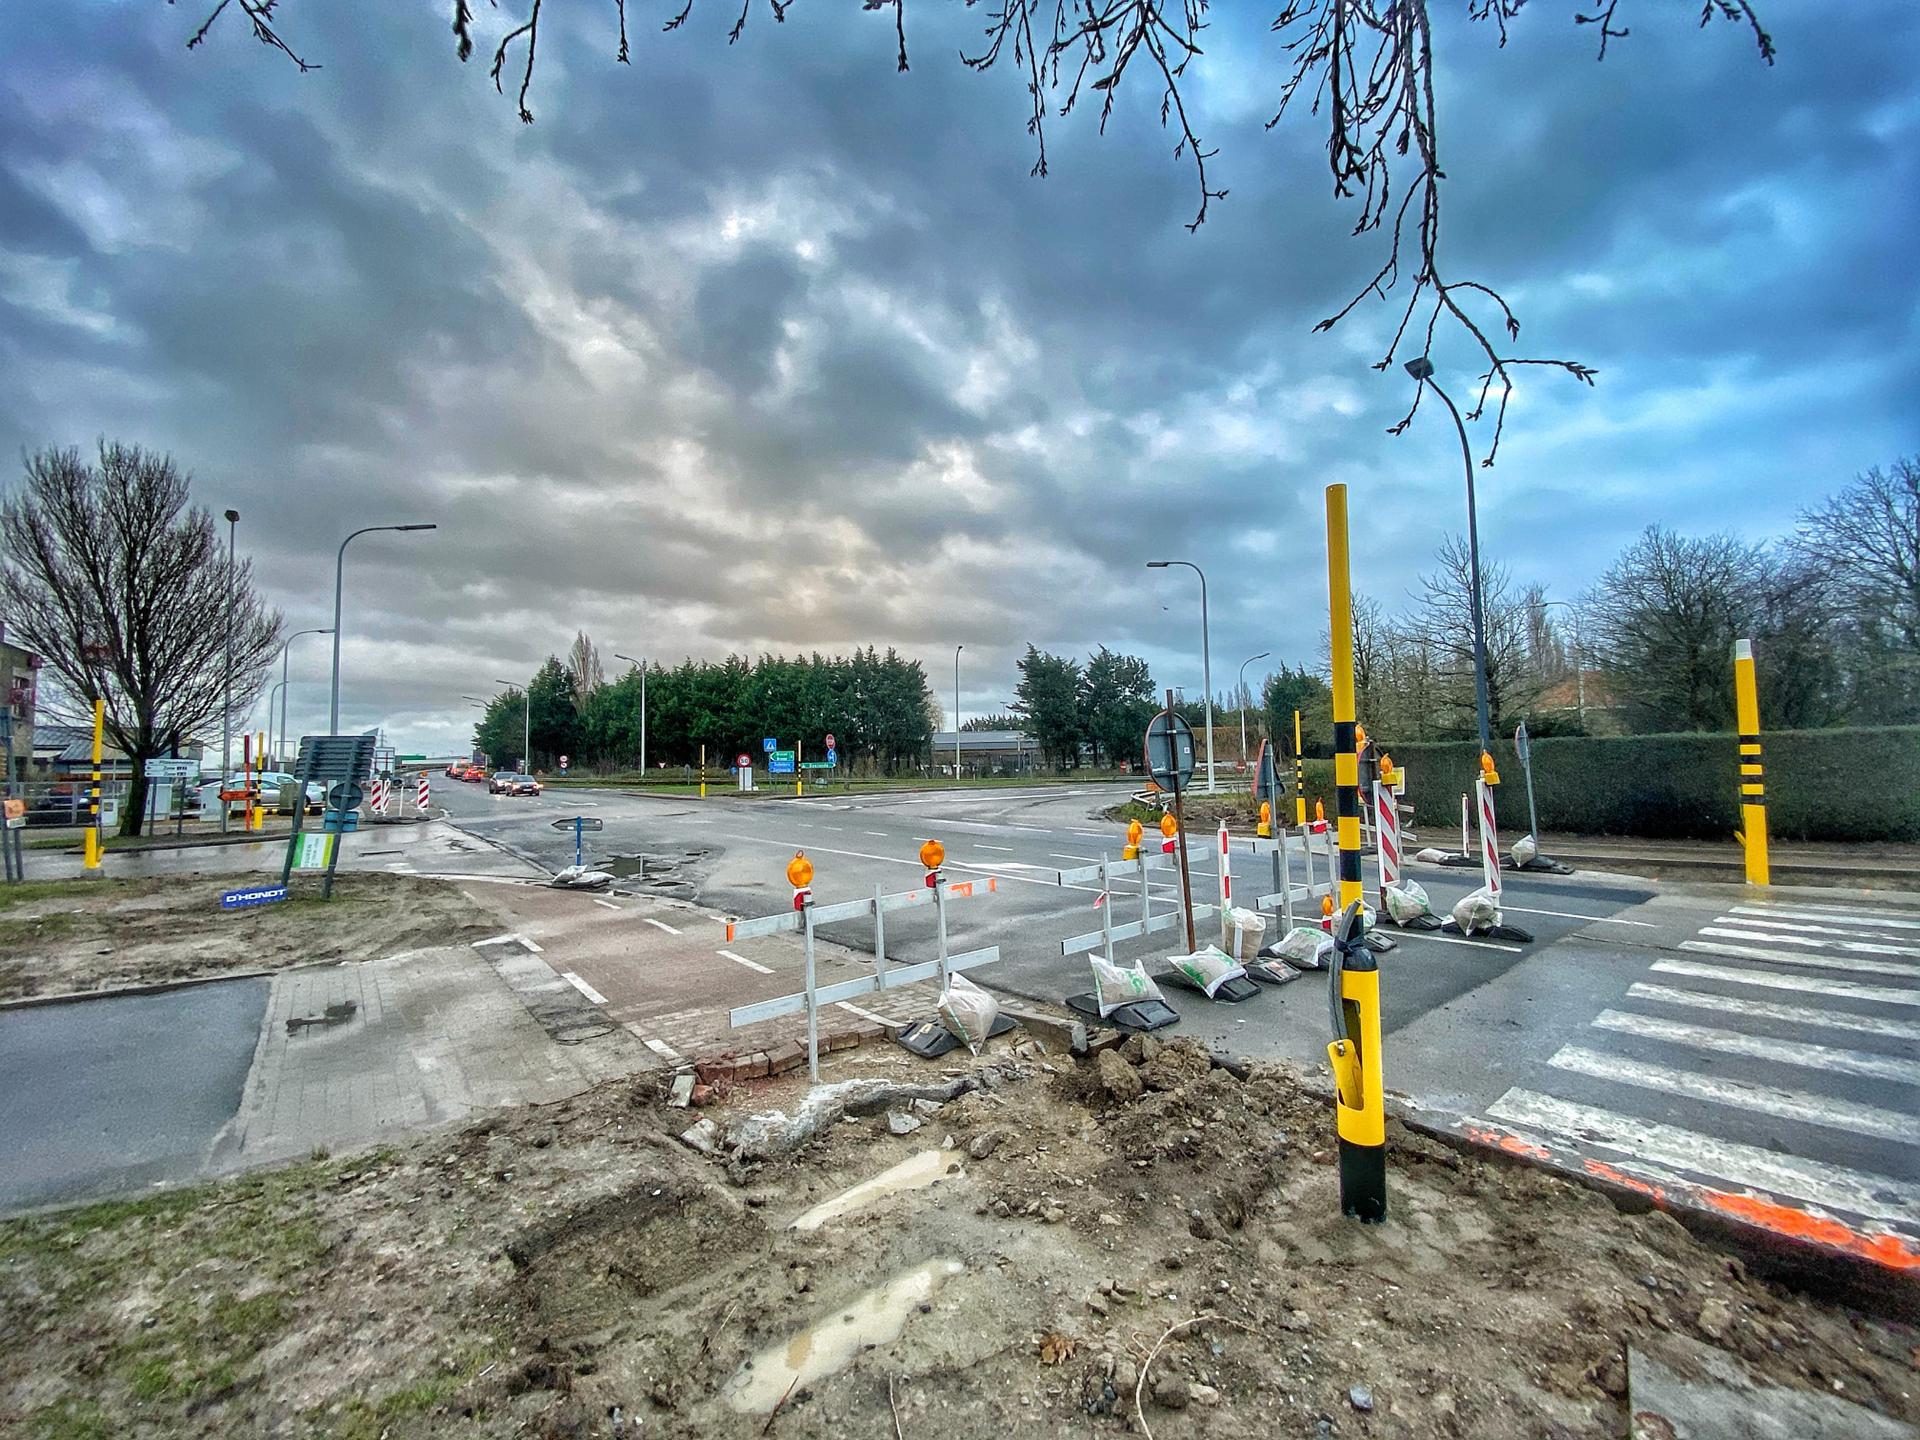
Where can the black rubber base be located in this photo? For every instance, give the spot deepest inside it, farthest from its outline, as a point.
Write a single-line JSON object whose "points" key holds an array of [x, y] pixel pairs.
{"points": [[930, 1039], [1271, 952], [1134, 1015], [1419, 922], [1545, 865], [1231, 992], [1272, 972], [1363, 1182], [1379, 942], [1511, 933]]}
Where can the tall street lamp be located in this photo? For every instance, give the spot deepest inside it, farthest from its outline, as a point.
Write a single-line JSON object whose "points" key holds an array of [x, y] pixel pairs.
{"points": [[1243, 697], [641, 666], [956, 711], [226, 702], [284, 687], [1206, 655], [1421, 369], [339, 571], [526, 721]]}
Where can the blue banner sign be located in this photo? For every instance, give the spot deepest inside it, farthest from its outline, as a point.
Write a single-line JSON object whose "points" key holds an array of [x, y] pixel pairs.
{"points": [[253, 895]]}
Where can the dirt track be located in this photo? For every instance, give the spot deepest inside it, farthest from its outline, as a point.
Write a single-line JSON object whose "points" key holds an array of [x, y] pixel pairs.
{"points": [[578, 1271]]}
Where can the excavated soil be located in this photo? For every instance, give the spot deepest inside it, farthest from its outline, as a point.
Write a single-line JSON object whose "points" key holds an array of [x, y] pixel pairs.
{"points": [[579, 1271], [103, 934]]}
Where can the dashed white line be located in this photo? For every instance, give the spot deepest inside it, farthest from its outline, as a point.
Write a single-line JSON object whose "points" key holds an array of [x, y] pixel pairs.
{"points": [[877, 834], [607, 903], [1761, 1099], [583, 987], [1003, 849], [753, 965], [660, 925]]}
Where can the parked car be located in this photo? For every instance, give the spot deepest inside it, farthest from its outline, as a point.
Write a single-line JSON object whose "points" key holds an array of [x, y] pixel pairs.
{"points": [[509, 783]]}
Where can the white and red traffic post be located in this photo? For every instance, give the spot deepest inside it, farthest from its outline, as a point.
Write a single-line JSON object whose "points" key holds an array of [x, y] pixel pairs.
{"points": [[1387, 830], [1226, 884], [422, 794], [1489, 840]]}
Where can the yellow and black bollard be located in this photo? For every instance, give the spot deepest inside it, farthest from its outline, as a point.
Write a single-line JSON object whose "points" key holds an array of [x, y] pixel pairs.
{"points": [[1753, 773], [1360, 1103], [1299, 776]]}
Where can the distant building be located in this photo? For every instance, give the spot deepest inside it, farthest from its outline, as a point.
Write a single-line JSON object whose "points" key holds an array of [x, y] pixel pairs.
{"points": [[1587, 696], [986, 752], [20, 670]]}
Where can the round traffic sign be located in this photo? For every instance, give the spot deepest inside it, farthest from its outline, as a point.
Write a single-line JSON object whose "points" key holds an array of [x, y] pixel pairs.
{"points": [[829, 740], [1169, 750], [741, 762]]}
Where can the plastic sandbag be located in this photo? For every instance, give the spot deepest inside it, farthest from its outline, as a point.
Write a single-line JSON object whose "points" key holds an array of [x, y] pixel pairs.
{"points": [[579, 877], [1244, 929], [1115, 985], [1524, 849], [968, 1011], [1476, 912], [1431, 856], [1209, 967], [1407, 902], [1303, 947]]}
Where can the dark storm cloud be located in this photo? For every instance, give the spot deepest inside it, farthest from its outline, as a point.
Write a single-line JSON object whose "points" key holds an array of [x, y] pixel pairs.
{"points": [[766, 345]]}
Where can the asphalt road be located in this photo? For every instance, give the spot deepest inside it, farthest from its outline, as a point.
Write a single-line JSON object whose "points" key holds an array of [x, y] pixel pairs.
{"points": [[107, 1096]]}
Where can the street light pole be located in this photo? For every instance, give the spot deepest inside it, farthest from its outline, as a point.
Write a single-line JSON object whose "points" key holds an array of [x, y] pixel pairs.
{"points": [[339, 573], [1206, 657], [1241, 695], [956, 712], [526, 721], [226, 701], [641, 666], [284, 687], [1421, 369]]}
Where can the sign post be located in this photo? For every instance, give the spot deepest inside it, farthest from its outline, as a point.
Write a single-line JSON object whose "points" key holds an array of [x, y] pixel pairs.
{"points": [[1169, 756], [580, 824], [342, 763], [1525, 752]]}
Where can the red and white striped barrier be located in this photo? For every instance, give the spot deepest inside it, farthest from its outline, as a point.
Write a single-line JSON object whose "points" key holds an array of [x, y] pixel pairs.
{"points": [[377, 801], [1489, 840], [423, 794], [1387, 829], [1226, 875]]}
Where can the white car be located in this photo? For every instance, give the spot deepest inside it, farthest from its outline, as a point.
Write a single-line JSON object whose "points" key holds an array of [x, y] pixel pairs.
{"points": [[267, 785]]}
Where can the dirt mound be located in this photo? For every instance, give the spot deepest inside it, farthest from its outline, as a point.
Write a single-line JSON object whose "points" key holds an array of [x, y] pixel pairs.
{"points": [[1045, 1246]]}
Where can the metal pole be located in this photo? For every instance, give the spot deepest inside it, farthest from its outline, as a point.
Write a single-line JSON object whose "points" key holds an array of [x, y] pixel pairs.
{"points": [[339, 573], [1206, 656], [1473, 567], [879, 942], [92, 847], [813, 1010], [940, 913], [1106, 911], [1299, 781], [226, 689], [957, 711], [643, 730], [1243, 697], [1180, 839]]}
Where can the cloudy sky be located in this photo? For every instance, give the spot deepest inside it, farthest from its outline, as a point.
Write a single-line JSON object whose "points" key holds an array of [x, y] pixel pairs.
{"points": [[769, 347]]}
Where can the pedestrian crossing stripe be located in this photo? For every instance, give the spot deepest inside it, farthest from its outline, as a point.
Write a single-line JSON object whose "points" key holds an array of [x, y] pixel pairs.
{"points": [[1831, 1059], [1782, 980], [1745, 930], [1769, 1010], [1690, 1152], [1852, 919], [1906, 970], [1798, 1106]]}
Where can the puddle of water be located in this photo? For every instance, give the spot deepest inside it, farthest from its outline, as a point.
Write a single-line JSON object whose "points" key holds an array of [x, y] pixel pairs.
{"points": [[916, 1172], [830, 1343]]}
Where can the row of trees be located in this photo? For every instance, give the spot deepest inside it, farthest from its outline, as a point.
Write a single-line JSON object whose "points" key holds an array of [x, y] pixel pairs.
{"points": [[876, 705], [1104, 706]]}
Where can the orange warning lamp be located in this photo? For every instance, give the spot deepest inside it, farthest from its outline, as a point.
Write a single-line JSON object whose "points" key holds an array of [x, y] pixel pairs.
{"points": [[1265, 828], [1169, 827], [1487, 772], [932, 853], [1320, 812], [1359, 739], [1134, 831], [1388, 775], [800, 876], [1326, 910]]}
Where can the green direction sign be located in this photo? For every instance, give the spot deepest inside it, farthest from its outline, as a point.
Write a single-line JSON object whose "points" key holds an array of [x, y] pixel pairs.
{"points": [[780, 762], [816, 764]]}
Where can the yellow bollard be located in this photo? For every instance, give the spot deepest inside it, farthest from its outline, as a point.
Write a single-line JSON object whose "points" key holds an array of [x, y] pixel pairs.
{"points": [[1753, 773], [1360, 1109], [91, 860], [1299, 776]]}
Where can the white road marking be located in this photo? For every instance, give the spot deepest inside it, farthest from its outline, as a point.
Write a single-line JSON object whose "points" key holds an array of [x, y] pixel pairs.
{"points": [[1906, 970], [1090, 834], [853, 1009], [1084, 859], [495, 940], [1835, 915], [1572, 915], [1003, 849], [750, 964], [1775, 980], [1768, 1010], [877, 834], [1455, 940], [1795, 1105], [1751, 930], [607, 903], [529, 944], [661, 1048], [1829, 1058], [585, 989], [1832, 1186], [660, 925]]}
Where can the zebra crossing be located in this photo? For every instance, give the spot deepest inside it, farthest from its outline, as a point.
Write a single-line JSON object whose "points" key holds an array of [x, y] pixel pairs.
{"points": [[1773, 1055]]}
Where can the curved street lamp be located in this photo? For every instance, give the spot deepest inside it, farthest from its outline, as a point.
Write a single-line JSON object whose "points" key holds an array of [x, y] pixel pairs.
{"points": [[641, 666], [1240, 690], [339, 572], [284, 687], [1206, 655]]}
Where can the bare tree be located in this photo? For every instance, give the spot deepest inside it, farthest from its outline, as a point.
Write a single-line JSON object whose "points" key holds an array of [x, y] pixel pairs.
{"points": [[127, 595], [1440, 625], [583, 662], [1866, 542], [1366, 66]]}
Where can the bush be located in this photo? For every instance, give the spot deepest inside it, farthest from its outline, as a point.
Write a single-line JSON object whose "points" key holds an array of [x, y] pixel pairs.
{"points": [[1852, 784]]}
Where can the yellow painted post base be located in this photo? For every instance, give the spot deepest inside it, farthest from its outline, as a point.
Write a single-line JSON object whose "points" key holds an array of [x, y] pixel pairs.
{"points": [[92, 849], [1754, 839]]}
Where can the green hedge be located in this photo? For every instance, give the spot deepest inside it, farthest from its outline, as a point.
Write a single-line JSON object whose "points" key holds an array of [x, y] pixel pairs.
{"points": [[1855, 784]]}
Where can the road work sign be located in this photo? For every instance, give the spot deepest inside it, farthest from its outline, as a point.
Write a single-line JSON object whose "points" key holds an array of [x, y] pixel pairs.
{"points": [[252, 895]]}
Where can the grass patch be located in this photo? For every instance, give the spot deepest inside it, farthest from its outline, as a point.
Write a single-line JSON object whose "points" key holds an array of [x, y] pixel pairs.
{"points": [[72, 1419]]}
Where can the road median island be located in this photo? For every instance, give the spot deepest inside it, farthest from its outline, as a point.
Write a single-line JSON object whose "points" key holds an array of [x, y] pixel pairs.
{"points": [[100, 935], [1057, 1249]]}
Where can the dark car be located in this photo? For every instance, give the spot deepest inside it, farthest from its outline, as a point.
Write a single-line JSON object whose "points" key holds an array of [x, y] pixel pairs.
{"points": [[501, 784], [519, 785]]}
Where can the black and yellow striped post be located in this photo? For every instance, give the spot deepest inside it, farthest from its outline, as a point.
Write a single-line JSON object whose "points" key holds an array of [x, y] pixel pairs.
{"points": [[1753, 773], [92, 846], [1360, 1095]]}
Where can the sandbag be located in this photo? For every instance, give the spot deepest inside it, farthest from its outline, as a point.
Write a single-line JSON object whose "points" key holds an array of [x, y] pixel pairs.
{"points": [[1524, 849], [1303, 947], [1407, 902], [968, 1012], [1476, 911], [1115, 985], [1431, 856], [1209, 967], [1244, 928]]}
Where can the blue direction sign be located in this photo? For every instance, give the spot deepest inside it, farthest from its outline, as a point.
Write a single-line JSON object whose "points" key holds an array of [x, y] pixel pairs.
{"points": [[833, 757], [780, 762], [769, 744], [252, 895]]}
